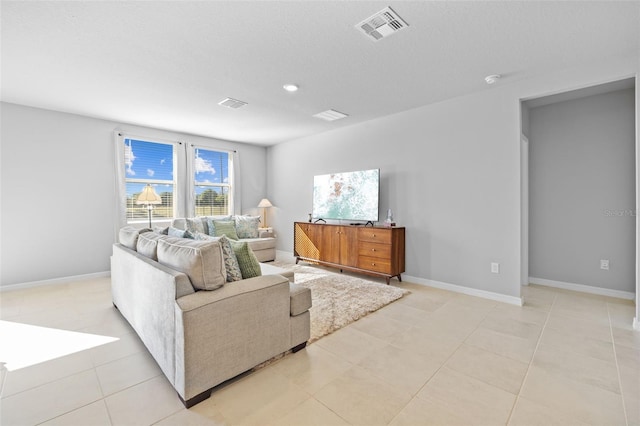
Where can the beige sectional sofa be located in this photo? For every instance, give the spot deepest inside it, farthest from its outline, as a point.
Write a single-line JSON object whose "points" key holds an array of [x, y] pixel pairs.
{"points": [[201, 338]]}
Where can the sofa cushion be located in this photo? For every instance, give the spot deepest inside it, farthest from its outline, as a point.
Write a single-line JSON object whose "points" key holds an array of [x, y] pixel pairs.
{"points": [[201, 261], [230, 259], [247, 260], [268, 269], [225, 227], [128, 236], [247, 226], [148, 244], [261, 243]]}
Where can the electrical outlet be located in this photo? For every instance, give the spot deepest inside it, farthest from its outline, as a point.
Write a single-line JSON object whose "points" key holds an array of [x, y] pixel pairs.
{"points": [[495, 268], [604, 264]]}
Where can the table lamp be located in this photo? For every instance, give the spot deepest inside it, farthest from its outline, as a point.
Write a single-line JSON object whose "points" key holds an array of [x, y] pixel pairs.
{"points": [[265, 204], [149, 197]]}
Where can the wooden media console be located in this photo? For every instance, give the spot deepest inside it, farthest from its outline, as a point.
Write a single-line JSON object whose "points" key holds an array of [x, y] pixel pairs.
{"points": [[370, 250]]}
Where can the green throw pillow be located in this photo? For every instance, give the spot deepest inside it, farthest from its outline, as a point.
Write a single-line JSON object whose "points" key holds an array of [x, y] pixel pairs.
{"points": [[247, 260], [225, 227]]}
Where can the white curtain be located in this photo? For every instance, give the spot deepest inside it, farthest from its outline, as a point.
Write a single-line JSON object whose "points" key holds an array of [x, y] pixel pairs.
{"points": [[119, 186], [237, 184]]}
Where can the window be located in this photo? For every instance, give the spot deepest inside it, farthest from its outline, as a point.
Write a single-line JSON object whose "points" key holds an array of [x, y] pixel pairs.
{"points": [[212, 182], [151, 163]]}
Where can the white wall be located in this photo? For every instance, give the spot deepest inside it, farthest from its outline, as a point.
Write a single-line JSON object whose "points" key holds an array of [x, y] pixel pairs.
{"points": [[58, 190], [582, 191], [450, 171]]}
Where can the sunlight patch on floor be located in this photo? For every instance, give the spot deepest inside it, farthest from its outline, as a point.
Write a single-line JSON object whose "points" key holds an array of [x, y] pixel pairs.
{"points": [[24, 345]]}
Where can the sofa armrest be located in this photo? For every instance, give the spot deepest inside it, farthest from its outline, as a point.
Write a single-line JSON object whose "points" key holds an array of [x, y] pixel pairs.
{"points": [[225, 332]]}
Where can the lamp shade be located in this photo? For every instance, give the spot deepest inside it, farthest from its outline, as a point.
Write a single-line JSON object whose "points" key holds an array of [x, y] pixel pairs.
{"points": [[265, 203], [148, 196]]}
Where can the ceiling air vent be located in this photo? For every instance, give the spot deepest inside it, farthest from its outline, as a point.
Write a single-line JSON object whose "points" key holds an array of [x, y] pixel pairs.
{"points": [[330, 115], [232, 103], [382, 24]]}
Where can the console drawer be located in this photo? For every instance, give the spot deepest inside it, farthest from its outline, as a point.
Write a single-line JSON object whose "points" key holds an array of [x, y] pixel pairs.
{"points": [[366, 248], [375, 235], [374, 264]]}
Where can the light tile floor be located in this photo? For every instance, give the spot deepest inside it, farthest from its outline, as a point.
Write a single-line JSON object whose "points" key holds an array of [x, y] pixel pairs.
{"points": [[433, 357]]}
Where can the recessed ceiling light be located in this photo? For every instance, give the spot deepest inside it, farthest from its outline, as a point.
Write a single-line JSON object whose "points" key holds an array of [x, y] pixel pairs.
{"points": [[290, 87]]}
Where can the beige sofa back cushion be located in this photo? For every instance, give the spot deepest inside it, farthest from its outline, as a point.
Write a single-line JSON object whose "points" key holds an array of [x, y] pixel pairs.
{"points": [[202, 261], [148, 244], [128, 236]]}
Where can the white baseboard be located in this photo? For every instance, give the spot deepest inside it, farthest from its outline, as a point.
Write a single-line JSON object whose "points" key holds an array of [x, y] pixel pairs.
{"points": [[636, 324], [512, 300], [583, 288], [54, 281], [280, 254]]}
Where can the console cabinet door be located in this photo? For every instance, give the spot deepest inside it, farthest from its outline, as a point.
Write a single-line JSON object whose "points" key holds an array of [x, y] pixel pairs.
{"points": [[330, 243], [349, 246], [307, 240], [330, 246]]}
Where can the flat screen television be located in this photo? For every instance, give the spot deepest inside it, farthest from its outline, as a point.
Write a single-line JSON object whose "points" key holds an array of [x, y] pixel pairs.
{"points": [[347, 195]]}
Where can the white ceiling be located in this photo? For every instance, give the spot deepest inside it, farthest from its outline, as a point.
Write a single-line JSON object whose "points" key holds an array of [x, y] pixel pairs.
{"points": [[167, 64]]}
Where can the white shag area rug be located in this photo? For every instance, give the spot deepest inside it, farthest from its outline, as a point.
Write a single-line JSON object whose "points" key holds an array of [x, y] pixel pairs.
{"points": [[340, 299]]}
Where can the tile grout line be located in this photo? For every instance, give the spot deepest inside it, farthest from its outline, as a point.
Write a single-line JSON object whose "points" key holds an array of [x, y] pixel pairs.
{"points": [[524, 379], [615, 357]]}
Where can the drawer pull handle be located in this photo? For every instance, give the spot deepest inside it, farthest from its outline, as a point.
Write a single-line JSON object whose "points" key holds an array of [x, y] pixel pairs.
{"points": [[373, 235], [373, 264], [373, 249]]}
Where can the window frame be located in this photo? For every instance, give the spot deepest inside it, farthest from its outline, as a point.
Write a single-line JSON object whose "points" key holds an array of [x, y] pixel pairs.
{"points": [[154, 182]]}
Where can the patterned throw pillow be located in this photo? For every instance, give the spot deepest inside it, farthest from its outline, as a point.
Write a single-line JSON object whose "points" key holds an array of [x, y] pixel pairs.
{"points": [[229, 256], [247, 260], [230, 260], [247, 226], [225, 227], [194, 225]]}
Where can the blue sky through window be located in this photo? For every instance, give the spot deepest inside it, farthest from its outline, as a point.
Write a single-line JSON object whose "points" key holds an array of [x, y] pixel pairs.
{"points": [[148, 160], [211, 167]]}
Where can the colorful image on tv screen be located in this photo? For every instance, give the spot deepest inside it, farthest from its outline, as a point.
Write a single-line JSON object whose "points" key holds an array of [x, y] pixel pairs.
{"points": [[348, 196]]}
